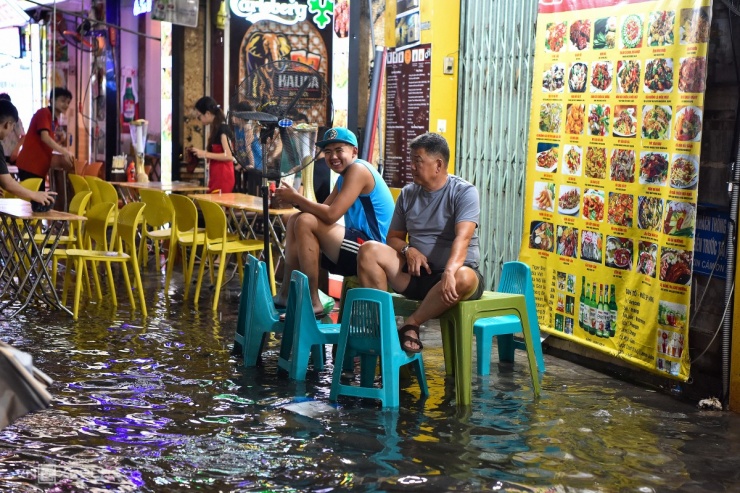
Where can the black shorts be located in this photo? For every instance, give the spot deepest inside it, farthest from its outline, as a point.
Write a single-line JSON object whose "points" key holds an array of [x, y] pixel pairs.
{"points": [[419, 286], [347, 263]]}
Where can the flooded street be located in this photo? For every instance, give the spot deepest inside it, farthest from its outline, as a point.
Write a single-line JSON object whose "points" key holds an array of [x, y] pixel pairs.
{"points": [[163, 406]]}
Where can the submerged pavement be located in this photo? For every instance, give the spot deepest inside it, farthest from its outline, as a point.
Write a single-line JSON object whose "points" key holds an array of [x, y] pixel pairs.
{"points": [[161, 405]]}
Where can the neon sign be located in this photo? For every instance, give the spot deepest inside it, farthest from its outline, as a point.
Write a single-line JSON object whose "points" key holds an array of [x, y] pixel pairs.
{"points": [[142, 6], [269, 10]]}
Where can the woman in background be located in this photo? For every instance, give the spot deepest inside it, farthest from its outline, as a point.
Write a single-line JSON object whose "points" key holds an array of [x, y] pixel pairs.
{"points": [[218, 152]]}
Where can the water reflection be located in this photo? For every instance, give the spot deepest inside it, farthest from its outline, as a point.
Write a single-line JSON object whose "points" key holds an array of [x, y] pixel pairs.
{"points": [[161, 405]]}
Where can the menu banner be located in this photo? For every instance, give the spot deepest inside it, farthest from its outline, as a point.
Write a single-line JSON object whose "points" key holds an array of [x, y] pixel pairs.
{"points": [[613, 168]]}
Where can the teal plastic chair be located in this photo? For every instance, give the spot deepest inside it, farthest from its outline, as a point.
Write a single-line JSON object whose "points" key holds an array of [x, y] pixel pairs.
{"points": [[516, 278], [369, 331], [258, 316], [302, 335], [240, 337]]}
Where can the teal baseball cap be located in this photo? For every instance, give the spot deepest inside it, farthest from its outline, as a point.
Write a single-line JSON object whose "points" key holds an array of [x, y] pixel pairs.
{"points": [[338, 134]]}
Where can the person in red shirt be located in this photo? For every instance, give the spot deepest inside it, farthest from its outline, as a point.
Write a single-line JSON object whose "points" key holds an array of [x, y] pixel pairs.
{"points": [[34, 159], [218, 153]]}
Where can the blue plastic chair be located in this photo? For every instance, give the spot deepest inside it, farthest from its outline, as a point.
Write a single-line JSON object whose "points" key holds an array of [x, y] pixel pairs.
{"points": [[240, 336], [516, 278], [259, 316], [302, 335], [369, 331]]}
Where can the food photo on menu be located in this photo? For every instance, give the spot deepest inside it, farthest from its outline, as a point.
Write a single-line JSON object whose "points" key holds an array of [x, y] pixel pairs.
{"points": [[595, 162], [601, 77], [680, 218], [660, 28], [544, 196], [575, 118], [695, 24], [599, 116], [591, 246], [605, 33], [578, 77], [688, 123], [625, 121], [541, 236], [658, 75], [675, 265], [572, 160], [567, 238], [620, 209], [580, 35], [653, 168], [569, 201], [647, 258], [550, 117], [628, 76], [553, 78], [547, 157], [555, 36], [649, 213], [619, 252], [692, 74], [684, 172], [656, 122], [623, 165], [631, 33], [593, 205]]}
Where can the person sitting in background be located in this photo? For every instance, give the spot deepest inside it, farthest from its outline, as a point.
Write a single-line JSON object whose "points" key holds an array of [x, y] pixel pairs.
{"points": [[218, 152], [439, 264], [8, 119], [14, 140], [313, 236], [34, 159]]}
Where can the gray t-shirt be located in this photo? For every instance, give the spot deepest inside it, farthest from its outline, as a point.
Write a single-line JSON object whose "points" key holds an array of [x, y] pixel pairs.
{"points": [[429, 218]]}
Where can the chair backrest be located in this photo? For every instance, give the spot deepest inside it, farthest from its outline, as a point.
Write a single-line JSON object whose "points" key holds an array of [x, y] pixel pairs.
{"points": [[79, 203], [159, 211], [78, 182], [370, 322], [107, 192], [261, 285], [299, 311], [129, 218], [516, 278], [97, 224], [186, 213], [215, 220], [92, 169], [92, 182]]}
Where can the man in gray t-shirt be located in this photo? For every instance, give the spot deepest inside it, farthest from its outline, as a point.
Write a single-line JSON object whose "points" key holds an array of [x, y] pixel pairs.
{"points": [[439, 263]]}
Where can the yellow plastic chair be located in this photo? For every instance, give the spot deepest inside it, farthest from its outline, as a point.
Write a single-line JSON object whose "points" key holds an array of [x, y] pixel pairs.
{"points": [[73, 238], [188, 234], [78, 182], [159, 220], [219, 245], [125, 253], [33, 184], [92, 182], [104, 192]]}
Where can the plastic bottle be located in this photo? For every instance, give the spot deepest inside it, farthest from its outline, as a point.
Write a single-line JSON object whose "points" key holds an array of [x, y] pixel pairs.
{"points": [[131, 172], [129, 102]]}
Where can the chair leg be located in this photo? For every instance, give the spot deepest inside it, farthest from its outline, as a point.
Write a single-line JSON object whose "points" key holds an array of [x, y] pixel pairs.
{"points": [[505, 347], [127, 282], [111, 284], [171, 254], [219, 279], [421, 377], [483, 343], [368, 364], [139, 285], [78, 288], [205, 257]]}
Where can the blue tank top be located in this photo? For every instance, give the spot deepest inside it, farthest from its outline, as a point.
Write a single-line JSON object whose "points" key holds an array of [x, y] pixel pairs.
{"points": [[371, 213]]}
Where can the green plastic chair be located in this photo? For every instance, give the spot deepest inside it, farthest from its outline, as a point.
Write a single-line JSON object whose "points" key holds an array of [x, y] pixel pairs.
{"points": [[516, 278], [302, 335], [257, 313], [369, 330]]}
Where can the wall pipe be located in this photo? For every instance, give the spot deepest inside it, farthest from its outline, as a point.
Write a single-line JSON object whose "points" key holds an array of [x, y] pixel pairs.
{"points": [[373, 108], [730, 242]]}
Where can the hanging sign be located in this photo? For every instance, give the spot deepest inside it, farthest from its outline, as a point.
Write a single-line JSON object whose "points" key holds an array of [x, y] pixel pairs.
{"points": [[613, 168], [283, 12]]}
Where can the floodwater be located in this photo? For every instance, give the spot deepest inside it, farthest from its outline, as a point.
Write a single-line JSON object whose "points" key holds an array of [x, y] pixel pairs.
{"points": [[162, 405]]}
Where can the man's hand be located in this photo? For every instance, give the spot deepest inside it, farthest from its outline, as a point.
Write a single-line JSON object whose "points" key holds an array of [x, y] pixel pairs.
{"points": [[449, 288], [70, 158], [415, 260], [286, 194], [46, 198]]}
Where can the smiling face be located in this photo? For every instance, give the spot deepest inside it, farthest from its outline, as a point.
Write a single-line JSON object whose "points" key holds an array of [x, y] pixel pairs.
{"points": [[339, 155], [61, 104]]}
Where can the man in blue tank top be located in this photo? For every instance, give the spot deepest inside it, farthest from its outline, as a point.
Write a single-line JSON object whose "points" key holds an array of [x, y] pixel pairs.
{"points": [[438, 266], [314, 238]]}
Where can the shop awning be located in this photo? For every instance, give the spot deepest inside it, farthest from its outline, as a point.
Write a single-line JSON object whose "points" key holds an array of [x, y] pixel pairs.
{"points": [[11, 14]]}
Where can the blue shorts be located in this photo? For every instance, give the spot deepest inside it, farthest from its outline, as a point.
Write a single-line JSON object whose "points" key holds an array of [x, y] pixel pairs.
{"points": [[347, 262]]}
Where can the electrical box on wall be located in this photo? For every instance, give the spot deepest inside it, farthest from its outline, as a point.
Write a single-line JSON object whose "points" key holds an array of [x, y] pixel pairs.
{"points": [[449, 65]]}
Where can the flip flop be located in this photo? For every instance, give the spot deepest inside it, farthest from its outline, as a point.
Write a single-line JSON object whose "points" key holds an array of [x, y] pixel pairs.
{"points": [[409, 334]]}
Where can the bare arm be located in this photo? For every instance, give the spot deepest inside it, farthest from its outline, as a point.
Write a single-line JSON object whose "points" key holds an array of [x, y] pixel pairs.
{"points": [[217, 156], [8, 183], [357, 179], [464, 231], [46, 139]]}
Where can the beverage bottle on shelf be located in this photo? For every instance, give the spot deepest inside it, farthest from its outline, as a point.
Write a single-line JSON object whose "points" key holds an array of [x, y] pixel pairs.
{"points": [[271, 201], [601, 313], [612, 313], [131, 172], [582, 302], [129, 102], [587, 310]]}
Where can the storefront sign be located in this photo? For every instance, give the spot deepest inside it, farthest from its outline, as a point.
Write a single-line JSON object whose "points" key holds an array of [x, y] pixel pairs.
{"points": [[710, 255], [272, 10], [612, 177]]}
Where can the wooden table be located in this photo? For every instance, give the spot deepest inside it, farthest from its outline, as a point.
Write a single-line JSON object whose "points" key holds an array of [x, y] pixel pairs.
{"points": [[127, 188], [244, 211], [24, 273]]}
